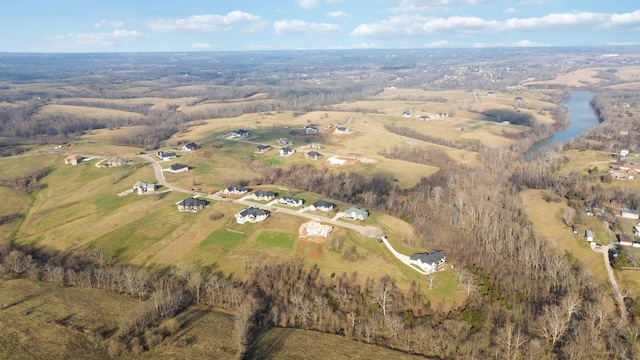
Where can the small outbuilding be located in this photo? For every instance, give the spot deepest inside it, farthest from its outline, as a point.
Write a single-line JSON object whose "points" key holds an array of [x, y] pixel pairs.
{"points": [[73, 160]]}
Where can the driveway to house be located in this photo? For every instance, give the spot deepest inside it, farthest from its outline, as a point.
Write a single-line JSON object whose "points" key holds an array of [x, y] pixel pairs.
{"points": [[403, 258], [371, 232], [157, 169], [617, 294]]}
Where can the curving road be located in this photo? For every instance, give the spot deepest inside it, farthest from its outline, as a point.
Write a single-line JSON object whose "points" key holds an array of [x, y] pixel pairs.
{"points": [[371, 232]]}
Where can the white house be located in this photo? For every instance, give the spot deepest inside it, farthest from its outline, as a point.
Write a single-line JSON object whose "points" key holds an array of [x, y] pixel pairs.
{"points": [[342, 130], [589, 235], [191, 204], [252, 215], [178, 168], [626, 240], [322, 205], [624, 152], [629, 214], [165, 156], [290, 201], [407, 114], [443, 115], [287, 151], [189, 147], [356, 213], [235, 190], [311, 129], [432, 261], [142, 187], [240, 133], [262, 195]]}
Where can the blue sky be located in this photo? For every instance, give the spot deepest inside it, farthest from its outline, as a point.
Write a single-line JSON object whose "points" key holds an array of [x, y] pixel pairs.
{"points": [[211, 25]]}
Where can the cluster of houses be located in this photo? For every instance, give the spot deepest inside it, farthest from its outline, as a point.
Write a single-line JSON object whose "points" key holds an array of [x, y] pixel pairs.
{"points": [[409, 114]]}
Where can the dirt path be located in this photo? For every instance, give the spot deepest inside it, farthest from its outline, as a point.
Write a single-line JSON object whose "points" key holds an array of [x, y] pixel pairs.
{"points": [[617, 294]]}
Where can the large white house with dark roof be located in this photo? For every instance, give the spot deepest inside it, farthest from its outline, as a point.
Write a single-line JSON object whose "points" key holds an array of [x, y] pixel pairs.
{"points": [[191, 204], [290, 201], [322, 205], [429, 262], [252, 215]]}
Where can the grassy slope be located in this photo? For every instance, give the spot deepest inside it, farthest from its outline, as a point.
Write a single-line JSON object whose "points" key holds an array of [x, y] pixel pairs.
{"points": [[60, 319]]}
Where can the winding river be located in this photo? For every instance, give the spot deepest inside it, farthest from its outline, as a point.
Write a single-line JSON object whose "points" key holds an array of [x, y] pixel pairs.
{"points": [[582, 118]]}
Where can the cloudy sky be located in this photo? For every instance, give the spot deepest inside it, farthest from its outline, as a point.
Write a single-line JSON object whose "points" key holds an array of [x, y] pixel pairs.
{"points": [[210, 25]]}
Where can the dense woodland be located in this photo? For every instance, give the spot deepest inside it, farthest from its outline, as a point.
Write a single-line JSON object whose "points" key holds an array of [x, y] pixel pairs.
{"points": [[523, 300]]}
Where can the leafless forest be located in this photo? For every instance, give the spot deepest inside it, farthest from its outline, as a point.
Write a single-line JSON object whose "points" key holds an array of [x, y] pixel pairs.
{"points": [[524, 300]]}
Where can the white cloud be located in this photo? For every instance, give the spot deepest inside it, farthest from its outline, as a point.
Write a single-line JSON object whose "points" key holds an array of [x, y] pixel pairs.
{"points": [[418, 25], [200, 46], [303, 27], [112, 23], [338, 14], [101, 39], [254, 27], [333, 1], [509, 11], [207, 22], [307, 4]]}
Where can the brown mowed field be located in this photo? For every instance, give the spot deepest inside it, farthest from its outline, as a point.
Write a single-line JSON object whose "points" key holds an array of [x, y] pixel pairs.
{"points": [[45, 321], [547, 221], [280, 343], [578, 78], [157, 103], [87, 111]]}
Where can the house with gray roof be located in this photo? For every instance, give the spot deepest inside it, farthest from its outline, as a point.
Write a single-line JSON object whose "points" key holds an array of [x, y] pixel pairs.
{"points": [[191, 204], [356, 213], [290, 201], [429, 262], [235, 190], [287, 151], [263, 195], [322, 205], [166, 156], [313, 155], [261, 149], [142, 187], [177, 168], [190, 147], [252, 215]]}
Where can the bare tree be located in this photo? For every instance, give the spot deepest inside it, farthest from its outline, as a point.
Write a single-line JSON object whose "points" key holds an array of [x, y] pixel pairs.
{"points": [[432, 280], [384, 295], [510, 339], [552, 324]]}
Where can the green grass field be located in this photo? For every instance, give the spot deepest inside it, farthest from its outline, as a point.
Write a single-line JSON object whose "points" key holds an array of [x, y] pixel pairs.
{"points": [[276, 239]]}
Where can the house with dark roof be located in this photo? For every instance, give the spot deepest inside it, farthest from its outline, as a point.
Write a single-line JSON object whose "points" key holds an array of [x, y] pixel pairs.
{"points": [[432, 261], [313, 155], [142, 187], [356, 213], [290, 201], [240, 133], [287, 151], [407, 114], [166, 156], [252, 215], [190, 147], [342, 130], [311, 129], [322, 205], [263, 195], [235, 190], [261, 149], [425, 117], [191, 204], [178, 168]]}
